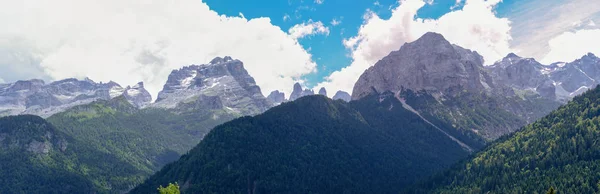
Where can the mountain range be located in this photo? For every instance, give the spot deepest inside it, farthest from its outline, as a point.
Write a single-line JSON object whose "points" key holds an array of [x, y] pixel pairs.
{"points": [[38, 98], [414, 114], [490, 101], [137, 138], [276, 97], [436, 85]]}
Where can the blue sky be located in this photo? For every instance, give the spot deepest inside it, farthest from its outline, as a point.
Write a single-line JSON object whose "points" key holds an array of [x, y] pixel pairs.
{"points": [[280, 42], [328, 51]]}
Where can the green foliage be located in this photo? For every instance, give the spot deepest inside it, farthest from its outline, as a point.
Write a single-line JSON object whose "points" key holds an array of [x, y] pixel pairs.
{"points": [[25, 170], [171, 189], [551, 191], [487, 115], [560, 150], [314, 145], [109, 146]]}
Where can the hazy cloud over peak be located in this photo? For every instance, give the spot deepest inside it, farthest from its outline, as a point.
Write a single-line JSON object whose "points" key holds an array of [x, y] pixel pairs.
{"points": [[129, 41]]}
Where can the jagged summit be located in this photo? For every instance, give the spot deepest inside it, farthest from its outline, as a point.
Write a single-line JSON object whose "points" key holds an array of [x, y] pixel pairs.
{"points": [[218, 60], [591, 55], [297, 87], [430, 63], [433, 37], [38, 98], [448, 75], [299, 92], [276, 97], [323, 91], [512, 55], [341, 95], [223, 83]]}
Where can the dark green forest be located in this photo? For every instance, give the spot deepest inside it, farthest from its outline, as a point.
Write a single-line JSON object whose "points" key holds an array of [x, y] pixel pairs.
{"points": [[314, 145], [108, 146], [311, 145], [34, 159], [561, 150]]}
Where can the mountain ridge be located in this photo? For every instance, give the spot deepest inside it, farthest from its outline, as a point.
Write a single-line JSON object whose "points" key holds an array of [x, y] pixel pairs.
{"points": [[328, 146]]}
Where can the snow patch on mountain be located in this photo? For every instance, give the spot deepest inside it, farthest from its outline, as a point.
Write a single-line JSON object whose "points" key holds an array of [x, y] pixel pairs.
{"points": [[38, 98], [223, 83]]}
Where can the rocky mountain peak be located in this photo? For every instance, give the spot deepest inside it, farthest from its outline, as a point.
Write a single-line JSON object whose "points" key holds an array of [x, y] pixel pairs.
{"points": [[37, 98], [433, 38], [523, 74], [299, 92], [322, 91], [137, 95], [276, 97], [511, 55], [218, 60], [341, 95], [589, 58], [297, 87], [591, 55], [87, 79], [26, 85], [138, 85], [223, 79], [430, 63]]}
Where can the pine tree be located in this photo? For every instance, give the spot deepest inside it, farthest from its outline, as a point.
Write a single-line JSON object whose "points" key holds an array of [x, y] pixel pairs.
{"points": [[551, 191], [171, 189]]}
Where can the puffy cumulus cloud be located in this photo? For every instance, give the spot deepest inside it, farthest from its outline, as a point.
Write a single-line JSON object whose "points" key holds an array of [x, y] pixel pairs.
{"points": [[307, 29], [475, 27], [569, 46], [130, 40]]}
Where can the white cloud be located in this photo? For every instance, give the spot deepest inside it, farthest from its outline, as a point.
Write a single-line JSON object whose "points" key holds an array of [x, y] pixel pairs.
{"points": [[129, 41], [1, 81], [592, 24], [535, 22], [335, 22], [286, 17], [319, 1], [573, 45], [474, 27], [307, 29]]}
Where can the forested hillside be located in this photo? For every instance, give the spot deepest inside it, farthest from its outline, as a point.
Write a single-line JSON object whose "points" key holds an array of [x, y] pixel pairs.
{"points": [[315, 145], [561, 150], [36, 158]]}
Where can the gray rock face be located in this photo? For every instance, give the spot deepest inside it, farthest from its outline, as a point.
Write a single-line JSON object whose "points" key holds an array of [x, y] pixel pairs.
{"points": [[37, 98], [450, 83], [298, 92], [430, 63], [39, 147], [341, 95], [574, 78], [276, 97], [525, 74], [558, 81], [31, 136], [137, 95], [221, 84], [323, 92]]}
